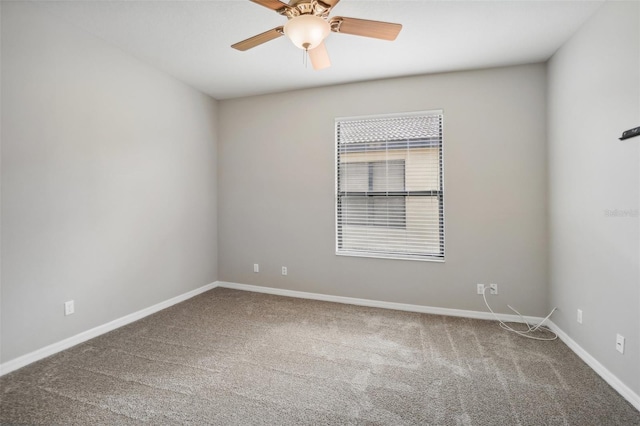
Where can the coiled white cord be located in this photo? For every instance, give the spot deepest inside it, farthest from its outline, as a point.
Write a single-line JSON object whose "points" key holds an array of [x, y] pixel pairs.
{"points": [[530, 328]]}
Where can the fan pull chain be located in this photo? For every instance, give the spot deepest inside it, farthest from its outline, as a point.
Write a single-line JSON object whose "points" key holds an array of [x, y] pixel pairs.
{"points": [[305, 54]]}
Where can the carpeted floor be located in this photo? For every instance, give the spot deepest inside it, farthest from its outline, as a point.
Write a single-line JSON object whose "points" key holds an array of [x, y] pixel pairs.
{"points": [[233, 357]]}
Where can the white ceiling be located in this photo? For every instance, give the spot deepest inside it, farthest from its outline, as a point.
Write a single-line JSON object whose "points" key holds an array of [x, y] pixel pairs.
{"points": [[191, 40]]}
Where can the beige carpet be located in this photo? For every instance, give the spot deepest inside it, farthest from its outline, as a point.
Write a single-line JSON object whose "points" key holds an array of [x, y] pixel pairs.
{"points": [[232, 357]]}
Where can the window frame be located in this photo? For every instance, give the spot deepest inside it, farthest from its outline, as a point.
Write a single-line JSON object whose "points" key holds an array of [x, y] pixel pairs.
{"points": [[439, 193]]}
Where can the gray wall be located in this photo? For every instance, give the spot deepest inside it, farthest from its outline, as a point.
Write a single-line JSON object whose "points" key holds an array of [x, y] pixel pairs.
{"points": [[108, 182], [276, 190], [594, 94]]}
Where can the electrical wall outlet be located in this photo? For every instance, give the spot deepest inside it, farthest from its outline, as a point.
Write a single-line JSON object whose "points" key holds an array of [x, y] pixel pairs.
{"points": [[256, 268], [493, 288], [480, 288], [69, 308], [620, 343], [284, 270], [579, 317]]}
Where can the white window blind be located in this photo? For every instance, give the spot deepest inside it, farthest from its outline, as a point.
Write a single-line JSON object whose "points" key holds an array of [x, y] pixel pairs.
{"points": [[389, 189]]}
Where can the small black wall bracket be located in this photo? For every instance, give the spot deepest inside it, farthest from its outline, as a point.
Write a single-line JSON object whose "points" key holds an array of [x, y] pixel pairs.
{"points": [[630, 133]]}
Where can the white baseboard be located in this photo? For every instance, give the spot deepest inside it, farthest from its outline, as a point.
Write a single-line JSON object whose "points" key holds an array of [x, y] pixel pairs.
{"points": [[608, 376], [54, 348], [378, 304]]}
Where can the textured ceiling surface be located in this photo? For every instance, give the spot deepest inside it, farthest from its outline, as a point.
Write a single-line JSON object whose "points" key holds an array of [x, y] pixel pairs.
{"points": [[191, 40]]}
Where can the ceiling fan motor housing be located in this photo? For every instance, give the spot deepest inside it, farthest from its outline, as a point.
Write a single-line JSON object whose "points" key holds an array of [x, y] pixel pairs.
{"points": [[305, 7]]}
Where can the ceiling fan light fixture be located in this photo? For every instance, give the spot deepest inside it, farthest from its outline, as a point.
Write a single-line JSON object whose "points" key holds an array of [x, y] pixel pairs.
{"points": [[307, 31]]}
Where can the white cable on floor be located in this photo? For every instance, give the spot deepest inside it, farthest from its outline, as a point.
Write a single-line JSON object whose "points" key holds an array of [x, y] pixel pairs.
{"points": [[530, 328]]}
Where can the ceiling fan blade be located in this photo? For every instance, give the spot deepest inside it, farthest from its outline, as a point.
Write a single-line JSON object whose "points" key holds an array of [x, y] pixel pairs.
{"points": [[365, 28], [330, 3], [319, 57], [272, 4], [259, 39]]}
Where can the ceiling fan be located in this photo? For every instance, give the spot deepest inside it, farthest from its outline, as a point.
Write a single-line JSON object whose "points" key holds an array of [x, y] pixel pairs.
{"points": [[309, 24]]}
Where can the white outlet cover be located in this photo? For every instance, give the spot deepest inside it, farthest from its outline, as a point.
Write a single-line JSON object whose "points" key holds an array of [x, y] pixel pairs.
{"points": [[69, 307], [620, 343]]}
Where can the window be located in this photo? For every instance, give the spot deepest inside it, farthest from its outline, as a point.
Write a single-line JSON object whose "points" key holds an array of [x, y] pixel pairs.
{"points": [[373, 176], [389, 189]]}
